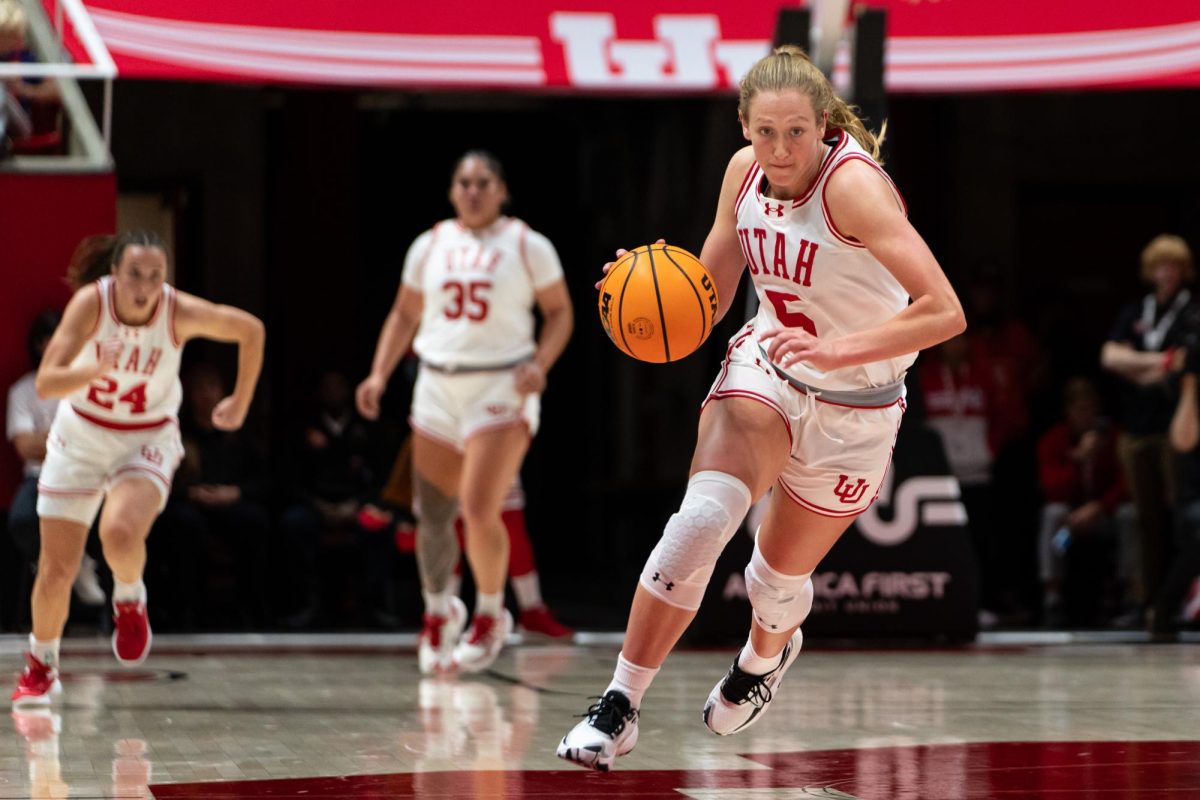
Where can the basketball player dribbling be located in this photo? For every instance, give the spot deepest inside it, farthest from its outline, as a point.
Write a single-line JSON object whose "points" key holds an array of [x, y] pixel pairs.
{"points": [[808, 400], [467, 294], [114, 359]]}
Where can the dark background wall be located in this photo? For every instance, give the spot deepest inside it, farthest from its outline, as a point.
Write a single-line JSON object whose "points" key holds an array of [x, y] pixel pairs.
{"points": [[300, 204]]}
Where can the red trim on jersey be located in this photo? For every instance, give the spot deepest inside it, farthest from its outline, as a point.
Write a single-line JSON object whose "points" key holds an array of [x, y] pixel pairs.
{"points": [[43, 489], [847, 239], [112, 306], [729, 354], [171, 318], [721, 394], [158, 308], [121, 426], [99, 310], [112, 301], [816, 509], [843, 138], [419, 268], [140, 468], [747, 182], [524, 256]]}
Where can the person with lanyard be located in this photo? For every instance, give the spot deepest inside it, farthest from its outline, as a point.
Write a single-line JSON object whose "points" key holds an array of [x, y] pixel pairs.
{"points": [[1146, 349]]}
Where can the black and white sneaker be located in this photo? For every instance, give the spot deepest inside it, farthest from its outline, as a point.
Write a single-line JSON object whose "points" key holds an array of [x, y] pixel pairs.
{"points": [[609, 729], [739, 699]]}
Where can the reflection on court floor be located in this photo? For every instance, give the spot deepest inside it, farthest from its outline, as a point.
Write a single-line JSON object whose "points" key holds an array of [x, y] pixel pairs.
{"points": [[345, 716]]}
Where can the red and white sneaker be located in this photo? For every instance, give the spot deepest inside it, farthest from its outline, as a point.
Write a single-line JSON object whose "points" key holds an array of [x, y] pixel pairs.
{"points": [[480, 646], [38, 684], [541, 620], [131, 632], [435, 645]]}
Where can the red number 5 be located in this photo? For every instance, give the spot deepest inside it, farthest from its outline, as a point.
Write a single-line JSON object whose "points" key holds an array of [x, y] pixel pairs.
{"points": [[790, 319]]}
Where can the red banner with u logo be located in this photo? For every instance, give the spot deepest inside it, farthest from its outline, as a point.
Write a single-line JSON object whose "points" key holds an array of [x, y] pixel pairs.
{"points": [[631, 46]]}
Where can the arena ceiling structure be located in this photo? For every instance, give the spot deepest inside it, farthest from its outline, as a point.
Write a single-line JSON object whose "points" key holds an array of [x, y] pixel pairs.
{"points": [[623, 46]]}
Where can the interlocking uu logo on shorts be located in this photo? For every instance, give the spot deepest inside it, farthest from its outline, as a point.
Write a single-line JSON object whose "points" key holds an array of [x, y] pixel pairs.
{"points": [[848, 492]]}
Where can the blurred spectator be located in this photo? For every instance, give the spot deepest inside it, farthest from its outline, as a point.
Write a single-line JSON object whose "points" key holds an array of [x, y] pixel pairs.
{"points": [[1018, 371], [216, 511], [1179, 600], [29, 418], [1012, 355], [1146, 346], [1085, 496], [30, 108], [335, 478], [956, 389]]}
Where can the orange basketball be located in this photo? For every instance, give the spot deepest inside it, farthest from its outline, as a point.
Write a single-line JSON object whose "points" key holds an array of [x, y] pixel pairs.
{"points": [[657, 303]]}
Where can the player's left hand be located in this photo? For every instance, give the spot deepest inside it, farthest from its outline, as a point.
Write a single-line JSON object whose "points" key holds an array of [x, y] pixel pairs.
{"points": [[229, 414], [788, 346], [529, 378]]}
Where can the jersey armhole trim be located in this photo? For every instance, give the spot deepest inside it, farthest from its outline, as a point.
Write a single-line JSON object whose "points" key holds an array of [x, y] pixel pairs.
{"points": [[171, 308], [521, 237], [747, 182], [99, 310], [843, 237]]}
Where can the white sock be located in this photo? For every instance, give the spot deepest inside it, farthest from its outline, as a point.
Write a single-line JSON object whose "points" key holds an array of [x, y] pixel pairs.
{"points": [[631, 680], [454, 585], [750, 661], [129, 592], [489, 605], [528, 591], [45, 652], [437, 604]]}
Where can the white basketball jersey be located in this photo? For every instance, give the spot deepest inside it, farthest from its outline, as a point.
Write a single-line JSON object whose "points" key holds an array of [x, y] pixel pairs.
{"points": [[141, 388], [810, 275], [479, 289]]}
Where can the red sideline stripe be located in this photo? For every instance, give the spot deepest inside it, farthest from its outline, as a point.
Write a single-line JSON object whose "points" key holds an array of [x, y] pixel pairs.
{"points": [[122, 426]]}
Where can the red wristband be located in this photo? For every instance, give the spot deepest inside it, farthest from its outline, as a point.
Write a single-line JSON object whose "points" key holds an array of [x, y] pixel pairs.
{"points": [[1168, 358]]}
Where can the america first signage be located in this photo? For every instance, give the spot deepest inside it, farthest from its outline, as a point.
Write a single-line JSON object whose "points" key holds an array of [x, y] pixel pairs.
{"points": [[904, 568]]}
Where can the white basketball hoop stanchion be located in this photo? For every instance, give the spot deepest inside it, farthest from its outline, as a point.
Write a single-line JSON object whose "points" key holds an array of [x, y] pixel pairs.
{"points": [[89, 145], [830, 23], [58, 28]]}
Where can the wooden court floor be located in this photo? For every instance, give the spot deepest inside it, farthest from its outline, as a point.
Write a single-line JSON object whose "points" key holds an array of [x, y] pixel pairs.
{"points": [[350, 717]]}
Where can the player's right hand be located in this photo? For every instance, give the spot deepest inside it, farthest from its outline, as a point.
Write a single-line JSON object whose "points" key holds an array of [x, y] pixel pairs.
{"points": [[620, 252], [366, 397], [109, 353]]}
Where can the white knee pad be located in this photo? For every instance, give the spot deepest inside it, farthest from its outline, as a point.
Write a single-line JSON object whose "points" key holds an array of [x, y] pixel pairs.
{"points": [[780, 602], [682, 562]]}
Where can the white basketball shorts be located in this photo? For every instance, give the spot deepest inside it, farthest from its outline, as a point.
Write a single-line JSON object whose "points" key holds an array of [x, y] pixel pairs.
{"points": [[84, 460], [839, 452], [452, 407]]}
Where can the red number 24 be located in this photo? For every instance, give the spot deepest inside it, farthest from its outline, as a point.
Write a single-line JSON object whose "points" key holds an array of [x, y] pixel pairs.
{"points": [[101, 391]]}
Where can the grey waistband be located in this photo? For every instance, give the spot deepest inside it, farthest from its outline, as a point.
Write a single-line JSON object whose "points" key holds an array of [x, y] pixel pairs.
{"points": [[464, 369], [871, 397]]}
